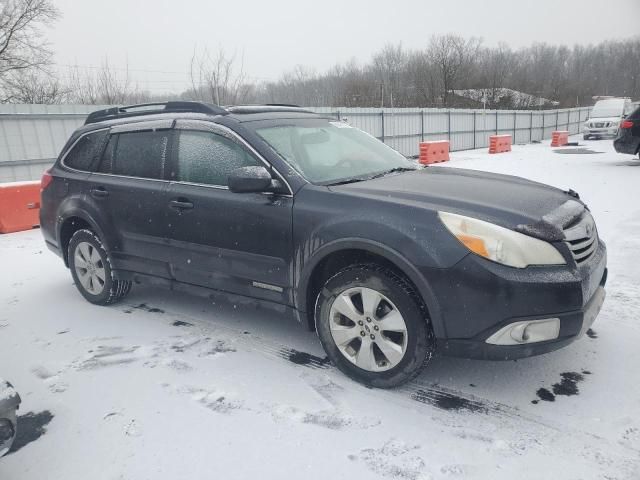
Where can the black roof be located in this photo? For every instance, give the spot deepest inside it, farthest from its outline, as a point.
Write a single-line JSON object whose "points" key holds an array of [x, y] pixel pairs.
{"points": [[145, 109]]}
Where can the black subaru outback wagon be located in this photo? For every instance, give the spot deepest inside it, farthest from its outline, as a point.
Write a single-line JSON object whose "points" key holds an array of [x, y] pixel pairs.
{"points": [[387, 261]]}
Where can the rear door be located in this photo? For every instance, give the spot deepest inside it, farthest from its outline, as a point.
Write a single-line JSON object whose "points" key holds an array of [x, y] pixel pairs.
{"points": [[130, 188], [235, 242]]}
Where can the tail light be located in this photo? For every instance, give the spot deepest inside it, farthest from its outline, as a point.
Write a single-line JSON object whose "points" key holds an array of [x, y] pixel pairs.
{"points": [[47, 178], [626, 124]]}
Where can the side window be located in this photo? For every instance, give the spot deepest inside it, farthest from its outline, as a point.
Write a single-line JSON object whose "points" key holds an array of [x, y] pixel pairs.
{"points": [[137, 154], [86, 150], [208, 158]]}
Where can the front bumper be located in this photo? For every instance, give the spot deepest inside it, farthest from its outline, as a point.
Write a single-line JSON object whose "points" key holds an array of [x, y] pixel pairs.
{"points": [[479, 298], [601, 132]]}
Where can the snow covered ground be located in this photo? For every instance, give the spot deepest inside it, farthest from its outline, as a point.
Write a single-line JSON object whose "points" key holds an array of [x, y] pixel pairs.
{"points": [[167, 386]]}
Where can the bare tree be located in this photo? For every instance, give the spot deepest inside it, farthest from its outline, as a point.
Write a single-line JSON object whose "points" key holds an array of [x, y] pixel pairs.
{"points": [[23, 49], [34, 87], [389, 65], [453, 56], [218, 77], [103, 86], [22, 45]]}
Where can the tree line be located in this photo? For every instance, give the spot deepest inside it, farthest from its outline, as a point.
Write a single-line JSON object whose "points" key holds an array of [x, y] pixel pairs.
{"points": [[449, 71]]}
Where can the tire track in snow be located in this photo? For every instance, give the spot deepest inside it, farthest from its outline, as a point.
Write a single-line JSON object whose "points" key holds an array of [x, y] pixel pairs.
{"points": [[415, 393]]}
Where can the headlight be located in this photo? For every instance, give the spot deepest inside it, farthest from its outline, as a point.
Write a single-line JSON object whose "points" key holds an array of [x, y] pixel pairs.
{"points": [[500, 244]]}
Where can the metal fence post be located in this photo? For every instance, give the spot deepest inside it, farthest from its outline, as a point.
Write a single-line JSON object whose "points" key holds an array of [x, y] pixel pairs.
{"points": [[531, 126], [496, 122], [422, 125], [557, 116], [515, 121], [382, 118], [474, 129], [449, 126]]}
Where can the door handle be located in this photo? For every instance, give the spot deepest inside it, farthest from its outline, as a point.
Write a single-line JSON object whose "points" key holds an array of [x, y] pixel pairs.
{"points": [[181, 204], [99, 192]]}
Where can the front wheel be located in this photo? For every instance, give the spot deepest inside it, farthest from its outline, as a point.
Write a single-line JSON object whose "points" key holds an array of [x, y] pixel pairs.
{"points": [[91, 270], [374, 326], [586, 137]]}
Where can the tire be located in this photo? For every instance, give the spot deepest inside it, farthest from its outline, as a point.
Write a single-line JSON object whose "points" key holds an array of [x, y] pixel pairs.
{"points": [[585, 137], [390, 358], [98, 284]]}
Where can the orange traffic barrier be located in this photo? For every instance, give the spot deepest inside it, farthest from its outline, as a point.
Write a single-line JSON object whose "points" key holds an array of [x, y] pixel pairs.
{"points": [[19, 206], [499, 143], [559, 138], [434, 152]]}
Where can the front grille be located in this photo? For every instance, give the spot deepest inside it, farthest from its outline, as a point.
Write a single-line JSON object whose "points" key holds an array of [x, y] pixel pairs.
{"points": [[582, 238]]}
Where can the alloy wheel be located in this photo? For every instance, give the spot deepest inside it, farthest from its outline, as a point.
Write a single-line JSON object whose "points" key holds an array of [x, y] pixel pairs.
{"points": [[368, 329], [89, 268]]}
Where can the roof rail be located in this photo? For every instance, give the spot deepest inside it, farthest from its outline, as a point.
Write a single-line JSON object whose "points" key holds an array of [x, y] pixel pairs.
{"points": [[282, 105], [267, 108], [147, 109]]}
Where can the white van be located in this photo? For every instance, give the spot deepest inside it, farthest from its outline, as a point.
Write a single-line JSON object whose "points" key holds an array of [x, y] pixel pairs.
{"points": [[605, 117]]}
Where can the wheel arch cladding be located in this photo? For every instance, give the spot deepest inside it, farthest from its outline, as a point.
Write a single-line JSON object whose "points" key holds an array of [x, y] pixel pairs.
{"points": [[338, 254], [72, 223]]}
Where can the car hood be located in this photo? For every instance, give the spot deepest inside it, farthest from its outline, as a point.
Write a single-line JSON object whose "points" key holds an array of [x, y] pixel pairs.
{"points": [[533, 208]]}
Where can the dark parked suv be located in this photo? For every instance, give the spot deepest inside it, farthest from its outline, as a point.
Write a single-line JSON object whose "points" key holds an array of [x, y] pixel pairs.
{"points": [[387, 261], [628, 139]]}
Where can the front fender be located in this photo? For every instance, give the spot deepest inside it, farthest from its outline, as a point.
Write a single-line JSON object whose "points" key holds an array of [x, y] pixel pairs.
{"points": [[376, 248]]}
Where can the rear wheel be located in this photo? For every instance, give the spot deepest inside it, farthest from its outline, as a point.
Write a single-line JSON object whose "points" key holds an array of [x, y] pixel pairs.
{"points": [[373, 326], [91, 270], [586, 137]]}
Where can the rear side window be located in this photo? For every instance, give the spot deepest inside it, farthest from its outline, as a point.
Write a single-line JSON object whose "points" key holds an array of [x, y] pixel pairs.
{"points": [[137, 154], [85, 152], [635, 115], [207, 158]]}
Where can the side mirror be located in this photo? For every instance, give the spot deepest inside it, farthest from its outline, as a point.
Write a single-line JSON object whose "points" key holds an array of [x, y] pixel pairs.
{"points": [[249, 179]]}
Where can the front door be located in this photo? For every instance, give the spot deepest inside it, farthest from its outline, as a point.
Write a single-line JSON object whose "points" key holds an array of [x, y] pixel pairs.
{"points": [[234, 242]]}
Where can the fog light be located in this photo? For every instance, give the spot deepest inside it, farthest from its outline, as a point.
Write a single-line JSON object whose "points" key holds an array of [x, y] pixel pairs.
{"points": [[528, 331]]}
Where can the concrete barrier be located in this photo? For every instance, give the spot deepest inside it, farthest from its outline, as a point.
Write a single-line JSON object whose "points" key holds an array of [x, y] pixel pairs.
{"points": [[499, 143], [434, 152], [559, 138], [19, 206]]}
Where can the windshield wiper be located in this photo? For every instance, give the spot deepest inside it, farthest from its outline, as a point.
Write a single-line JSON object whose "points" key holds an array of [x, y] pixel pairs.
{"points": [[348, 180], [369, 177], [393, 170]]}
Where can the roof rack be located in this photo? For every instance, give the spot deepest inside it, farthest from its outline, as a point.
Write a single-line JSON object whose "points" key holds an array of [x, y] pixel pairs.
{"points": [[269, 107], [148, 109]]}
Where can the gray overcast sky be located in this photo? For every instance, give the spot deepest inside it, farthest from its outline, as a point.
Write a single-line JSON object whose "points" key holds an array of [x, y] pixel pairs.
{"points": [[276, 35]]}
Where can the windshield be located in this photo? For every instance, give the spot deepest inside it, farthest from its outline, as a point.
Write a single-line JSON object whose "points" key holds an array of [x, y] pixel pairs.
{"points": [[326, 152], [607, 108]]}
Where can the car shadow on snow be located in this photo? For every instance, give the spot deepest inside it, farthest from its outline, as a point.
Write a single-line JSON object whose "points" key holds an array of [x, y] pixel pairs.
{"points": [[628, 163], [448, 383], [31, 426]]}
